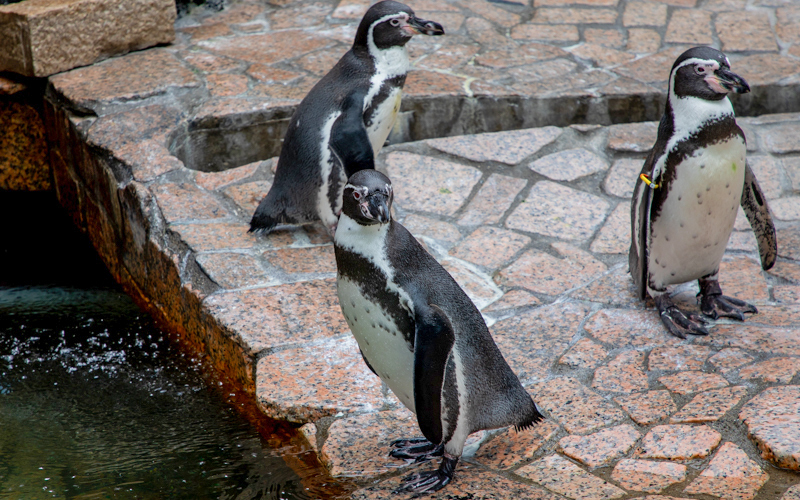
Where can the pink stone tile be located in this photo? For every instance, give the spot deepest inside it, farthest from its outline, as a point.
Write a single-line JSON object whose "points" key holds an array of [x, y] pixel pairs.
{"points": [[510, 447], [622, 374], [644, 14], [429, 83], [532, 340], [647, 475], [574, 16], [513, 300], [299, 16], [773, 422], [358, 446], [773, 341], [731, 475], [504, 147], [303, 260], [789, 271], [741, 277], [643, 40], [209, 63], [689, 27], [733, 28], [223, 84], [470, 481], [477, 286], [678, 442], [554, 210], [653, 68], [266, 48], [615, 235], [576, 407], [727, 360], [692, 381], [218, 236], [430, 185], [709, 406], [793, 493], [682, 357], [629, 328], [306, 383], [540, 272], [601, 55], [786, 294], [234, 270], [562, 476], [492, 201], [600, 448], [518, 55], [769, 169], [351, 9], [280, 315], [545, 33], [648, 407], [490, 12], [621, 179], [584, 354], [633, 137], [248, 195], [615, 289], [490, 247], [185, 202], [775, 370], [147, 159], [786, 208], [569, 164], [420, 225], [215, 180]]}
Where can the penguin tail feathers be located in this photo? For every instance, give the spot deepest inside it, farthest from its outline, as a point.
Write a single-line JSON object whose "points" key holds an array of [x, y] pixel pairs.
{"points": [[262, 224], [533, 417]]}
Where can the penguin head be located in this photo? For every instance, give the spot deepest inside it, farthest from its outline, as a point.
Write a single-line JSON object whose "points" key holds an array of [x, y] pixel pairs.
{"points": [[390, 24], [368, 198], [705, 73]]}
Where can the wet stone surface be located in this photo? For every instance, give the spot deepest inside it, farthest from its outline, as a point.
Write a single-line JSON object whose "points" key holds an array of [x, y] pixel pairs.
{"points": [[533, 223]]}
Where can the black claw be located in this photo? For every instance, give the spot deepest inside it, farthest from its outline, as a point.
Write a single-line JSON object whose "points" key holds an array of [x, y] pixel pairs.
{"points": [[417, 449], [429, 481], [716, 306], [677, 322]]}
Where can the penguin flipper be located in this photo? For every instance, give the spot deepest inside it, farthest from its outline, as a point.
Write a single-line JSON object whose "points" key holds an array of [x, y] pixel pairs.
{"points": [[349, 139], [433, 342], [640, 211], [758, 213]]}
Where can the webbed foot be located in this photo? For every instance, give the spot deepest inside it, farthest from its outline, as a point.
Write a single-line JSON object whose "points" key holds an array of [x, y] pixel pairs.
{"points": [[679, 323], [417, 449], [714, 305], [430, 481]]}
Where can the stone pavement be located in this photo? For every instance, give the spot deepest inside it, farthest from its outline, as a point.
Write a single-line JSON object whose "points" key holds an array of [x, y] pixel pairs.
{"points": [[162, 155]]}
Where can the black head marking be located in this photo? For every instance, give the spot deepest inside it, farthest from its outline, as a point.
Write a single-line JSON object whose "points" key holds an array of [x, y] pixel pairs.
{"points": [[392, 24], [368, 197], [705, 72]]}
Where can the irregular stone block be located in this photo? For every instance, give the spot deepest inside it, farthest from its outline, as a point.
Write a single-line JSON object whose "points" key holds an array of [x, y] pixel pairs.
{"points": [[43, 37]]}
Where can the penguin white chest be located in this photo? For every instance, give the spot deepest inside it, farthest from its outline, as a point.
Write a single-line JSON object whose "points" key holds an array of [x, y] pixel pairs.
{"points": [[380, 340], [383, 118], [691, 231]]}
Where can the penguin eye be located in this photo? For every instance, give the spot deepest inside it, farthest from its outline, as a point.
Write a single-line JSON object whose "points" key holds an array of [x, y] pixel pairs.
{"points": [[356, 195], [395, 22], [700, 70]]}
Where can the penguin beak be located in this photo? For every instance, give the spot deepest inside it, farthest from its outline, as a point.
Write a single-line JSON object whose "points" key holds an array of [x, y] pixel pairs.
{"points": [[724, 81], [379, 208], [419, 26]]}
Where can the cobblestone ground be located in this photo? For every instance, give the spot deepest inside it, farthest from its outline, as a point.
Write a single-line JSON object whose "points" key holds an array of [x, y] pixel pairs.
{"points": [[533, 223]]}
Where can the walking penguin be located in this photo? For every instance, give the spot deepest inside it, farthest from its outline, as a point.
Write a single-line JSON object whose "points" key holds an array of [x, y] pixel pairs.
{"points": [[421, 334], [686, 198], [343, 122]]}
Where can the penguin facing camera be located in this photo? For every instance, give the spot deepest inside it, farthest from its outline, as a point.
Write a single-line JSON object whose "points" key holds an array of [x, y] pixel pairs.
{"points": [[343, 122], [686, 198], [421, 334]]}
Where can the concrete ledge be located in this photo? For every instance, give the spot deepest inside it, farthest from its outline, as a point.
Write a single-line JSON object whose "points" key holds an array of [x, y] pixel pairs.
{"points": [[43, 37]]}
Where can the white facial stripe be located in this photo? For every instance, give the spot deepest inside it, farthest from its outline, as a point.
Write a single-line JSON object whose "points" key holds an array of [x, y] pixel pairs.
{"points": [[389, 63]]}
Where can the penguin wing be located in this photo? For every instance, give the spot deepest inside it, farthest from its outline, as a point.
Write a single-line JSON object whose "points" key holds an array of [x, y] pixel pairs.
{"points": [[758, 213], [640, 213], [349, 138], [434, 339]]}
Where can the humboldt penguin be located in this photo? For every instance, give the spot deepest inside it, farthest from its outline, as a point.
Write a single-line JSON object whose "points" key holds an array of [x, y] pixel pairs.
{"points": [[687, 195], [343, 122], [421, 334]]}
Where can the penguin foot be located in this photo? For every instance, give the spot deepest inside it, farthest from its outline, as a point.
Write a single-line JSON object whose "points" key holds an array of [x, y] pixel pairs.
{"points": [[430, 481], [417, 449], [679, 323], [715, 306]]}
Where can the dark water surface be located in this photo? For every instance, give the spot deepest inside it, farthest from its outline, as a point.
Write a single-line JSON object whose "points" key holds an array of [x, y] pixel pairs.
{"points": [[95, 401]]}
